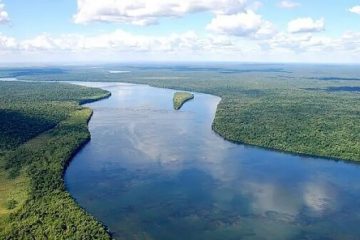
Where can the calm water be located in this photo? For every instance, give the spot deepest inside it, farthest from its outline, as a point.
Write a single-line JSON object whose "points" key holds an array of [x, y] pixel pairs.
{"points": [[150, 172]]}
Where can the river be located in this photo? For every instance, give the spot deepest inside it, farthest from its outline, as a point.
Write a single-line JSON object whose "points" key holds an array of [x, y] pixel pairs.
{"points": [[150, 172]]}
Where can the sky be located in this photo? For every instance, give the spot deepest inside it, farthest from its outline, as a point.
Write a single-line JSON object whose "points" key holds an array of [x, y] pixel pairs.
{"points": [[305, 31]]}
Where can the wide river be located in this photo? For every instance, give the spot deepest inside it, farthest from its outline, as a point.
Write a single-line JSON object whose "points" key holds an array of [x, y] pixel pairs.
{"points": [[150, 172]]}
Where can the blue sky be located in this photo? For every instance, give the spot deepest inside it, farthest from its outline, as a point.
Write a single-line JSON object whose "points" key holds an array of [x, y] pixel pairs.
{"points": [[180, 30]]}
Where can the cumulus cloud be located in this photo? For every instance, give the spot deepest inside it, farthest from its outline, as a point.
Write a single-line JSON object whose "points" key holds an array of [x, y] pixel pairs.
{"points": [[306, 25], [4, 16], [288, 4], [121, 44], [120, 40], [355, 9], [302, 43], [242, 24], [116, 45], [144, 12]]}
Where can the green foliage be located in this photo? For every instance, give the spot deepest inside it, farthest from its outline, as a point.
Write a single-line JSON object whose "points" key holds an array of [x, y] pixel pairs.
{"points": [[11, 204], [322, 125], [49, 212], [27, 109], [180, 98], [288, 110], [291, 109]]}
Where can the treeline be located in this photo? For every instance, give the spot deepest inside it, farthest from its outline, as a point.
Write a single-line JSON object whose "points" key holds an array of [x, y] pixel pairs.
{"points": [[292, 111], [27, 109], [48, 212], [319, 124]]}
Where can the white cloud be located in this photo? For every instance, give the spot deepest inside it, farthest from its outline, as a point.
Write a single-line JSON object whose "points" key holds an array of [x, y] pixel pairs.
{"points": [[4, 16], [7, 43], [301, 43], [289, 4], [355, 9], [231, 17], [349, 41], [254, 6], [120, 40], [145, 12], [242, 24], [306, 25], [115, 46], [122, 45]]}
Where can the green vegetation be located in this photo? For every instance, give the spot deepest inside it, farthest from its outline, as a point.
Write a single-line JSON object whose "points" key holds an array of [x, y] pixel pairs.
{"points": [[33, 200], [11, 204], [42, 126], [180, 98], [319, 124], [11, 191], [297, 108], [27, 109]]}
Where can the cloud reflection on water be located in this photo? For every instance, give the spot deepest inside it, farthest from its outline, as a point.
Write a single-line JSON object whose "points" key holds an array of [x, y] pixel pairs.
{"points": [[169, 164]]}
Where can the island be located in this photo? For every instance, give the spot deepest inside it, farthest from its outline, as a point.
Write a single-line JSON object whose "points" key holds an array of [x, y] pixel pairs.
{"points": [[180, 98]]}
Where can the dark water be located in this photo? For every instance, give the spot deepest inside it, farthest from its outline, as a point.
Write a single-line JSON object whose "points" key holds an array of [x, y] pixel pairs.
{"points": [[150, 172]]}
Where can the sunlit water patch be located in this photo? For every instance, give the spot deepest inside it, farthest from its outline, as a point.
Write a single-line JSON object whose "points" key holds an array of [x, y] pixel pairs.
{"points": [[118, 71], [8, 79], [150, 172]]}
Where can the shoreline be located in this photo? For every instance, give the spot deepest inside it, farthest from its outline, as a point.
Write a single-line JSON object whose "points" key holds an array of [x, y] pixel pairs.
{"points": [[83, 143], [308, 155], [213, 130], [69, 160], [298, 154], [294, 153], [47, 183]]}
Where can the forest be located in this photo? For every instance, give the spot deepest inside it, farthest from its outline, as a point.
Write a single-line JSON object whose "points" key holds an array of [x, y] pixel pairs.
{"points": [[42, 126], [180, 98], [304, 109]]}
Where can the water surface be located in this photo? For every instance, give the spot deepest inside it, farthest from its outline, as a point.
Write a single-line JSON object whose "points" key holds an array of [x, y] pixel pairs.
{"points": [[150, 172]]}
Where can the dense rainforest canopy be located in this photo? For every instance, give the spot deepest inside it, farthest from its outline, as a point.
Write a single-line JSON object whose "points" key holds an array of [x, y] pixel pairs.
{"points": [[41, 126], [307, 109]]}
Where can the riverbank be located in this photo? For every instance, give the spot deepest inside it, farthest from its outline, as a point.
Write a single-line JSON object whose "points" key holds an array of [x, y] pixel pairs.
{"points": [[293, 111], [47, 211], [203, 182], [310, 123], [278, 116]]}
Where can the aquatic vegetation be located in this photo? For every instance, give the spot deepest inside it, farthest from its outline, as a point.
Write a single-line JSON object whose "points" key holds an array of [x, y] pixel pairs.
{"points": [[34, 203], [180, 98]]}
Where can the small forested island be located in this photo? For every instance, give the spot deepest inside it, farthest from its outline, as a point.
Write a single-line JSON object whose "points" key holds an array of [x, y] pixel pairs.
{"points": [[180, 98]]}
